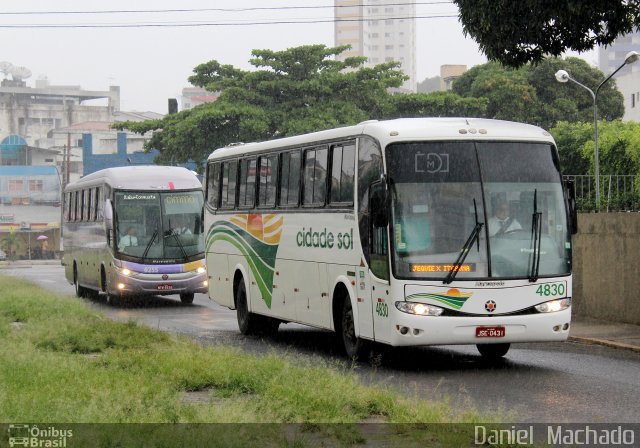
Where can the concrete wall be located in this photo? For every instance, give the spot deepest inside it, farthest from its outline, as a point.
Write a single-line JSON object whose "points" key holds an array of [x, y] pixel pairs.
{"points": [[606, 267]]}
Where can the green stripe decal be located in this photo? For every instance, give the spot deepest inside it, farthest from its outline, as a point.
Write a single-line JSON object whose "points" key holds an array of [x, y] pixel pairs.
{"points": [[260, 256], [455, 302]]}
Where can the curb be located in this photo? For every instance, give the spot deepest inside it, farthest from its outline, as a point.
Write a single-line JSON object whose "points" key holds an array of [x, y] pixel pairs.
{"points": [[605, 342]]}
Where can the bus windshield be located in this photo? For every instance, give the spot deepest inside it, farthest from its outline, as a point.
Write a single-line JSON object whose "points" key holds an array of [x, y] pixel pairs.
{"points": [[162, 226], [443, 192]]}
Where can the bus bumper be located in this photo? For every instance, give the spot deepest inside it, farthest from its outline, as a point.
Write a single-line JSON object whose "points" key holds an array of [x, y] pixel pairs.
{"points": [[155, 285], [410, 330]]}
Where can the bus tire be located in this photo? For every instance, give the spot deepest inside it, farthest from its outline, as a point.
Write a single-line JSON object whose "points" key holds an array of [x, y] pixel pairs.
{"points": [[80, 290], [186, 297], [268, 326], [354, 346], [113, 299], [493, 351], [248, 323]]}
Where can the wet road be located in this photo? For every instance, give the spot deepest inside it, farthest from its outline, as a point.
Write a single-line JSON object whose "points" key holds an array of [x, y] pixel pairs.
{"points": [[546, 383]]}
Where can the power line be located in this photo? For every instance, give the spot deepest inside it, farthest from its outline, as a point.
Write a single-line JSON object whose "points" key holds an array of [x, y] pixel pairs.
{"points": [[210, 24], [273, 8]]}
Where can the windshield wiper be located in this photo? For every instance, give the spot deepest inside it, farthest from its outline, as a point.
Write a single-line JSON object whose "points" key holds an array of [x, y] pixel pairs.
{"points": [[184, 252], [146, 249], [475, 235], [536, 237]]}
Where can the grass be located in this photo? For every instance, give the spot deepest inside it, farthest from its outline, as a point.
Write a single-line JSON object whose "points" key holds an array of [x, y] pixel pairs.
{"points": [[62, 362]]}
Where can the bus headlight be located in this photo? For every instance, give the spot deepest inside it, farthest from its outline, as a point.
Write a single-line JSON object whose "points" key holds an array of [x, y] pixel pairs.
{"points": [[126, 272], [419, 309], [553, 306], [201, 270]]}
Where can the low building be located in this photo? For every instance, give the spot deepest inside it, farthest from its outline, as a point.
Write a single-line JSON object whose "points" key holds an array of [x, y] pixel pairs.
{"points": [[30, 211], [449, 73]]}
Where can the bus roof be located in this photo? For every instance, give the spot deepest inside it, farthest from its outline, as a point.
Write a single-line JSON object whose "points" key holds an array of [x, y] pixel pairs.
{"points": [[141, 177], [403, 129]]}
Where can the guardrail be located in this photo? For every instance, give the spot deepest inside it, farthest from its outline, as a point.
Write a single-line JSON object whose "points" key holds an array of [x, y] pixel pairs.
{"points": [[618, 192]]}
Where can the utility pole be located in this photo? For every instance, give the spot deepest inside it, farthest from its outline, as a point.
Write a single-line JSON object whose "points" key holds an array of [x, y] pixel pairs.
{"points": [[66, 167]]}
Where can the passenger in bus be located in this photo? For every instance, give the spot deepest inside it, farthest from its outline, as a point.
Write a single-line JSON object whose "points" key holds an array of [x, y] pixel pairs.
{"points": [[130, 239], [179, 226], [501, 222]]}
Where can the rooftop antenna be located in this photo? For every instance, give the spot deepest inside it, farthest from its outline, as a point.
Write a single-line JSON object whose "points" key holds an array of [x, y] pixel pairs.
{"points": [[20, 73], [5, 67]]}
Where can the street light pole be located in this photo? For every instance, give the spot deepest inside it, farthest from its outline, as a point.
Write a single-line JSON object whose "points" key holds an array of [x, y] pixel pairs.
{"points": [[563, 76]]}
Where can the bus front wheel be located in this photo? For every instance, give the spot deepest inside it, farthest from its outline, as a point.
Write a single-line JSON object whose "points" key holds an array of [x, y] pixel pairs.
{"points": [[187, 297], [113, 299], [80, 290], [353, 345], [493, 351]]}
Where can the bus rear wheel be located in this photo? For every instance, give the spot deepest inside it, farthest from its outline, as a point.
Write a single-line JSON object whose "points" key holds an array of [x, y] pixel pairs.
{"points": [[247, 321], [493, 351], [187, 297], [353, 346], [80, 290]]}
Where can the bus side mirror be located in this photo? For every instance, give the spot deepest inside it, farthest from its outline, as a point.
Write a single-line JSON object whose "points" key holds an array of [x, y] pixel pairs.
{"points": [[378, 205], [108, 220], [570, 185]]}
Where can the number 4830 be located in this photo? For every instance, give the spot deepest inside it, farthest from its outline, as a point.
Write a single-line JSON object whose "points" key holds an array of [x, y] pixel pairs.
{"points": [[551, 289], [382, 309]]}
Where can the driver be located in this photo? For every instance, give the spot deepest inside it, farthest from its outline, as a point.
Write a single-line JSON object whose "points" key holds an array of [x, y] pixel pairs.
{"points": [[501, 222]]}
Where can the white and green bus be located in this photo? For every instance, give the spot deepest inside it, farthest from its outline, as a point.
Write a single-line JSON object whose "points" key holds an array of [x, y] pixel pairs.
{"points": [[404, 232], [135, 231]]}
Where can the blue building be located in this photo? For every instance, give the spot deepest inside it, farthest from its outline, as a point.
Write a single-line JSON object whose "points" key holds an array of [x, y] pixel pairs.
{"points": [[95, 162]]}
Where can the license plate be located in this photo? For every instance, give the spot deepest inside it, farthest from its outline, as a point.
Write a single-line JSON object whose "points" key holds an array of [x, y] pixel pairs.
{"points": [[164, 287], [490, 332]]}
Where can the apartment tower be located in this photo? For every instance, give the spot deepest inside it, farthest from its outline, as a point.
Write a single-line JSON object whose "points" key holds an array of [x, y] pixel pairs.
{"points": [[381, 31]]}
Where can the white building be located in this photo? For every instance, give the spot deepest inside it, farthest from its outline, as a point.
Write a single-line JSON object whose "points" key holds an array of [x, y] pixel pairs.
{"points": [[380, 31], [32, 112], [628, 78], [194, 96]]}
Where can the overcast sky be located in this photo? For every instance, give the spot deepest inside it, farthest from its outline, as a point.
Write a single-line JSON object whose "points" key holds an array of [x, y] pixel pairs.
{"points": [[151, 64]]}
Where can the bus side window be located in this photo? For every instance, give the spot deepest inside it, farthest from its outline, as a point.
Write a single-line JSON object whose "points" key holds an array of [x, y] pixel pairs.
{"points": [[213, 185], [315, 177], [379, 263], [91, 194], [290, 178], [99, 204], [247, 188], [342, 173], [369, 171], [267, 181], [81, 200], [72, 206], [229, 178]]}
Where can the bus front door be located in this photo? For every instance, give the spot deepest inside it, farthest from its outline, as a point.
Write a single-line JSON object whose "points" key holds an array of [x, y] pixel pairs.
{"points": [[364, 303]]}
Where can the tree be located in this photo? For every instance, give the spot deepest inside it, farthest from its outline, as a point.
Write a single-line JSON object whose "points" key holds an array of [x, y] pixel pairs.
{"points": [[293, 91], [437, 104], [571, 139], [619, 147], [290, 92], [517, 32], [531, 93], [429, 85], [11, 242]]}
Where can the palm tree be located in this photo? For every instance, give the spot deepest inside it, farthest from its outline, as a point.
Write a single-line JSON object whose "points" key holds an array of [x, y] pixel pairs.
{"points": [[9, 242]]}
